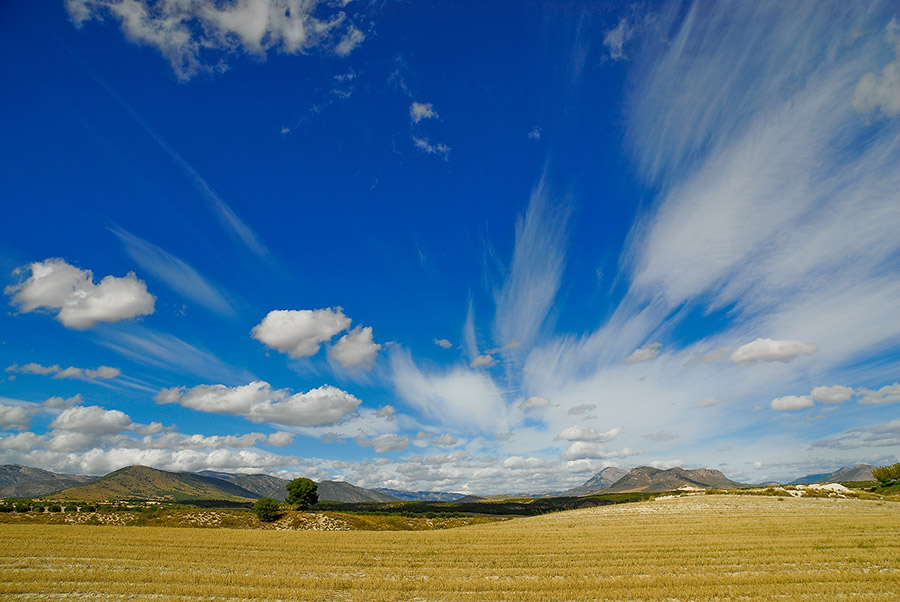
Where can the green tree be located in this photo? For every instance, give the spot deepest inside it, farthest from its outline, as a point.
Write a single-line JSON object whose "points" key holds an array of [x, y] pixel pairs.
{"points": [[302, 493], [886, 474], [266, 509]]}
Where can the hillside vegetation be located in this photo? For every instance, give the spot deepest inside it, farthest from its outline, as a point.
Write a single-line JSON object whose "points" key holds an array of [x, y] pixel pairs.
{"points": [[24, 481], [144, 483], [696, 548], [646, 478]]}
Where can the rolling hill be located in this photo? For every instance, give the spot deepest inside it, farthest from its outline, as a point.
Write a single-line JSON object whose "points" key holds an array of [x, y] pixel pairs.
{"points": [[603, 479], [24, 481], [860, 472], [264, 485], [646, 478], [419, 496], [145, 483], [339, 491]]}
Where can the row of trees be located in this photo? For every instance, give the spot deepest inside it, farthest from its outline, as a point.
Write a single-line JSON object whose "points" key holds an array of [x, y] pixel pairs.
{"points": [[302, 494], [887, 474]]}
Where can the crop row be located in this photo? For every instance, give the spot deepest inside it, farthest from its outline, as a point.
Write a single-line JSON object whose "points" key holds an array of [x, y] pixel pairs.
{"points": [[702, 549]]}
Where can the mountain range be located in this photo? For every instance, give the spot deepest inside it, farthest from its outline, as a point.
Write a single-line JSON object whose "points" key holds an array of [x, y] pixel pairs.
{"points": [[145, 483], [24, 481], [860, 472], [603, 479], [142, 482], [420, 496], [647, 478]]}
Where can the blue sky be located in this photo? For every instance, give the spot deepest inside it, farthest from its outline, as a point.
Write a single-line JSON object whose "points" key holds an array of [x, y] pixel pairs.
{"points": [[450, 246]]}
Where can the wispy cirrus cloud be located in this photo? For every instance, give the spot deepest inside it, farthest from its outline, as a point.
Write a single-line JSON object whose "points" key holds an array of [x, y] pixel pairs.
{"points": [[525, 299], [174, 272]]}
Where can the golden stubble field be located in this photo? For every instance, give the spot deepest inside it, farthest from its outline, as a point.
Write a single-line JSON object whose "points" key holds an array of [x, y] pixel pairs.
{"points": [[699, 548]]}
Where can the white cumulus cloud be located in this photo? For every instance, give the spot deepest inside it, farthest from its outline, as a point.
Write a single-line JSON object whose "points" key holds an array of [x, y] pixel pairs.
{"points": [[833, 394], [258, 402], [581, 450], [420, 110], [886, 394], [92, 420], [768, 350], [444, 343], [300, 332], [101, 372], [193, 34], [80, 304], [356, 349], [792, 402], [584, 433], [16, 417], [385, 443]]}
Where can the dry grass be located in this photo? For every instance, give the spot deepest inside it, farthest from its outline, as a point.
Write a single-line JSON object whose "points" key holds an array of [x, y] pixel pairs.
{"points": [[700, 548]]}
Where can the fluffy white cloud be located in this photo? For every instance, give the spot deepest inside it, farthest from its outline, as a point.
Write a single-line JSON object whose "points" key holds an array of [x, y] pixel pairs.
{"points": [[101, 372], [647, 352], [443, 343], [534, 402], [523, 463], [56, 285], [33, 368], [584, 433], [614, 39], [886, 394], [299, 333], [182, 441], [425, 145], [581, 450], [57, 402], [768, 350], [385, 443], [356, 349], [188, 32], [420, 110], [791, 402], [873, 91], [485, 360], [22, 441], [99, 461], [16, 416], [258, 402], [92, 420], [445, 440], [833, 394]]}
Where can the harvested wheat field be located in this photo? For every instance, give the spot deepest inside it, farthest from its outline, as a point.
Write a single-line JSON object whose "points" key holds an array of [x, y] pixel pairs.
{"points": [[698, 548]]}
